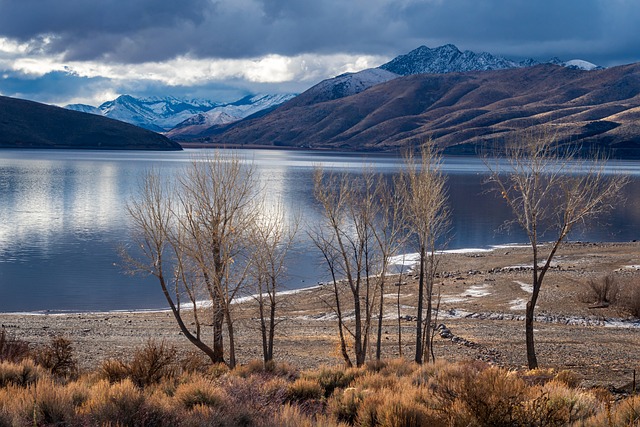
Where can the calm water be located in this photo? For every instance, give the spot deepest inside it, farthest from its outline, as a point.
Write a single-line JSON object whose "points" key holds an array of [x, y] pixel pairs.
{"points": [[62, 219]]}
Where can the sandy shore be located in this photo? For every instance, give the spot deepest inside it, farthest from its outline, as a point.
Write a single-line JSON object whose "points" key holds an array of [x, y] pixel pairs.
{"points": [[483, 296]]}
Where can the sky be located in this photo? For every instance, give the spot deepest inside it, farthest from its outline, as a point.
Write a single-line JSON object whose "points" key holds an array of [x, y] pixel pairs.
{"points": [[85, 51]]}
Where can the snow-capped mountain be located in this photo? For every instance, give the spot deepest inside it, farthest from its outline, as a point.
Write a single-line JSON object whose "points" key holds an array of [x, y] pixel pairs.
{"points": [[580, 64], [157, 114], [163, 114], [449, 59], [344, 85], [229, 113], [445, 59]]}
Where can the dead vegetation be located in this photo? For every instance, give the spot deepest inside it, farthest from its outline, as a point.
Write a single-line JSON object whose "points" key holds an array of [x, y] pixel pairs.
{"points": [[157, 389]]}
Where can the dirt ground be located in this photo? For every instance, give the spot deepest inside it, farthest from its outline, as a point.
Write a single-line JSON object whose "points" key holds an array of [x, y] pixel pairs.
{"points": [[483, 295]]}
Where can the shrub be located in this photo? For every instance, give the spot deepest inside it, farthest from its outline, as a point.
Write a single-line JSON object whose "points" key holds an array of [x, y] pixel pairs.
{"points": [[113, 370], [11, 348], [603, 290], [304, 389], [20, 374], [57, 358], [632, 300], [199, 391], [344, 406], [217, 370], [153, 363], [114, 404], [51, 404], [625, 413], [568, 378], [194, 361], [333, 378]]}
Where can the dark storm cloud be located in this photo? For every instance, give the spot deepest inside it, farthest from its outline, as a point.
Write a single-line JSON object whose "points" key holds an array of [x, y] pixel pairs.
{"points": [[155, 30]]}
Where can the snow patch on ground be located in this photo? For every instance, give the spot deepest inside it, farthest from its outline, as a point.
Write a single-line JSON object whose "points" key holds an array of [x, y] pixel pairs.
{"points": [[525, 286], [476, 291], [518, 304]]}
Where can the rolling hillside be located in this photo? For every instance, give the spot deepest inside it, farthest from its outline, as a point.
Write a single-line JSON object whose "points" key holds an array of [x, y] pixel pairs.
{"points": [[27, 124], [461, 111]]}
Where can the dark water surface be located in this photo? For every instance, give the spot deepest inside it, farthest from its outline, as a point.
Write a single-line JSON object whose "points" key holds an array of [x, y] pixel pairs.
{"points": [[62, 218]]}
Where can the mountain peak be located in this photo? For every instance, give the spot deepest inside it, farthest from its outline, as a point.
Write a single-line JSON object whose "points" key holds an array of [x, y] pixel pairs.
{"points": [[449, 59], [445, 59]]}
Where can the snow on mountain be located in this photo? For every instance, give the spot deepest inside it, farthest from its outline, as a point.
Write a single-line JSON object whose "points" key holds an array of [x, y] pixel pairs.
{"points": [[229, 113], [581, 65], [84, 109], [449, 59], [344, 85], [445, 59], [157, 114]]}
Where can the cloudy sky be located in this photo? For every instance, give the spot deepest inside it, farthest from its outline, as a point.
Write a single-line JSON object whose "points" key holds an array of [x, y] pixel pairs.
{"points": [[69, 51]]}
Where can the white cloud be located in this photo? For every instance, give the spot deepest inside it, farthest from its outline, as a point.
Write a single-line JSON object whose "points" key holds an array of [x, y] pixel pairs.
{"points": [[186, 71]]}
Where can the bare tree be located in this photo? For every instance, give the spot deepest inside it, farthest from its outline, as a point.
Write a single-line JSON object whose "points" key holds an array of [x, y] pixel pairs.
{"points": [[550, 190], [350, 240], [193, 234], [271, 239], [426, 216], [390, 237]]}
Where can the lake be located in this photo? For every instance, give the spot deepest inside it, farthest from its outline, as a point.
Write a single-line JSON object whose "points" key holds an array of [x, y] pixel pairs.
{"points": [[63, 218]]}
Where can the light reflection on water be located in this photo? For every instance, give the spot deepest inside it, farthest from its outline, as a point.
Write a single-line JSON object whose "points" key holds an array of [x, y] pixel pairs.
{"points": [[62, 219]]}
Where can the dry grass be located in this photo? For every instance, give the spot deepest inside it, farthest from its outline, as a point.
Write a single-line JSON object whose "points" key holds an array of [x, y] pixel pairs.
{"points": [[392, 393]]}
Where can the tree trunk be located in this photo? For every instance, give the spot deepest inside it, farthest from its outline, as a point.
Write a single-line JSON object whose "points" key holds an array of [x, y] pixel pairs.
{"points": [[232, 347], [532, 361], [380, 315], [218, 341], [419, 349]]}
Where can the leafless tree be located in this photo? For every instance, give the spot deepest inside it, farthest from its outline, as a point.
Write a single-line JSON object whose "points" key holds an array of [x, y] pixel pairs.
{"points": [[192, 235], [550, 190], [271, 238], [390, 237], [426, 217], [353, 243]]}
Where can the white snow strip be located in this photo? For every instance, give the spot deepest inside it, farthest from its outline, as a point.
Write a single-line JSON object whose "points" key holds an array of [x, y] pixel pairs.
{"points": [[518, 304], [476, 291], [525, 286]]}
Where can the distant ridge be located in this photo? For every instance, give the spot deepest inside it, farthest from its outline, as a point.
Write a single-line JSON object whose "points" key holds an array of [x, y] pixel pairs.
{"points": [[449, 59], [27, 124], [460, 111]]}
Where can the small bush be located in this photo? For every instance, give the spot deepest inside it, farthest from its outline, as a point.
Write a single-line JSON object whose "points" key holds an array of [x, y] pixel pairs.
{"points": [[632, 300], [11, 348], [114, 404], [153, 363], [20, 374], [199, 391], [50, 404], [603, 290], [333, 378], [113, 370], [58, 358], [217, 370], [304, 389], [344, 406], [568, 378], [195, 361]]}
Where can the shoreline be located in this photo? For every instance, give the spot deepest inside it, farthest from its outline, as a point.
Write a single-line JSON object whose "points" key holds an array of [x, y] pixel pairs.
{"points": [[406, 260], [479, 295]]}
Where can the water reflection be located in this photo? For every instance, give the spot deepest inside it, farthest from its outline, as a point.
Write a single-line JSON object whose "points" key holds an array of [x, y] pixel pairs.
{"points": [[63, 217]]}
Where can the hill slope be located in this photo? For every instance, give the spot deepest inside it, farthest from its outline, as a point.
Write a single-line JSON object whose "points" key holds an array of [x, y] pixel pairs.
{"points": [[461, 111], [27, 124]]}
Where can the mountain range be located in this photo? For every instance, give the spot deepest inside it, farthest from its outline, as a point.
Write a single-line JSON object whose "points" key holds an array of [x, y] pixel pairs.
{"points": [[461, 100], [460, 111], [166, 114], [27, 124]]}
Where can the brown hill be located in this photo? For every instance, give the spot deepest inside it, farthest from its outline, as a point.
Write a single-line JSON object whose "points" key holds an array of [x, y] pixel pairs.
{"points": [[461, 111], [26, 124]]}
